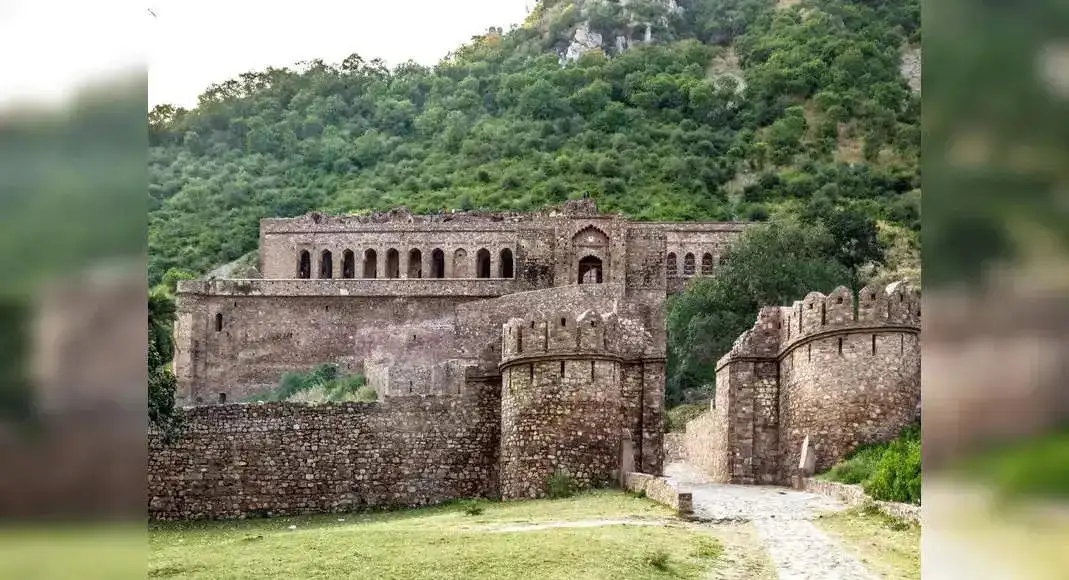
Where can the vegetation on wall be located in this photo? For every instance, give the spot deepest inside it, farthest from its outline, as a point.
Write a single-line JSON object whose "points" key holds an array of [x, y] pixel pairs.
{"points": [[322, 384]]}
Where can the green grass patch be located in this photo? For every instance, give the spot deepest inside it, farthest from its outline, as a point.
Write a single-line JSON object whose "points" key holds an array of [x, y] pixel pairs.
{"points": [[885, 545], [448, 541]]}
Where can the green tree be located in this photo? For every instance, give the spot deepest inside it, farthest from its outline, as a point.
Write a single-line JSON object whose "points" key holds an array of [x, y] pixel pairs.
{"points": [[772, 264]]}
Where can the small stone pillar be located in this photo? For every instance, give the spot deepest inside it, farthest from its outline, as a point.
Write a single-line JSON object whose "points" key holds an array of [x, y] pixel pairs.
{"points": [[627, 456]]}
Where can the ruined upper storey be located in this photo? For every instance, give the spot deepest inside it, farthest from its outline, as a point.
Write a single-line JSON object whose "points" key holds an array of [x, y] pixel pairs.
{"points": [[569, 244]]}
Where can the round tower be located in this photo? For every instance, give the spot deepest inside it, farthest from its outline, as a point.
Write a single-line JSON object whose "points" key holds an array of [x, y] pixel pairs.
{"points": [[561, 404]]}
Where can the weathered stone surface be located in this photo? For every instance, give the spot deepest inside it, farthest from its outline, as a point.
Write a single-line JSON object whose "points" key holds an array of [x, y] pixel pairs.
{"points": [[813, 371], [855, 495], [290, 458], [661, 490]]}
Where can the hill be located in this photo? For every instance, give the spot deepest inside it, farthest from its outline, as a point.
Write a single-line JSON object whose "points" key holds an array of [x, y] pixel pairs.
{"points": [[662, 109]]}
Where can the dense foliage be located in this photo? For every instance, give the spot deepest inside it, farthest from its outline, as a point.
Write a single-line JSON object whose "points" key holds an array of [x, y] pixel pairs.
{"points": [[162, 384], [737, 108], [322, 384], [772, 264], [888, 471]]}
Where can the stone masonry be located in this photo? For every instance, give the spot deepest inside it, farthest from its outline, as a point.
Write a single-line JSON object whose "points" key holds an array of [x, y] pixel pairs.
{"points": [[841, 375], [504, 348]]}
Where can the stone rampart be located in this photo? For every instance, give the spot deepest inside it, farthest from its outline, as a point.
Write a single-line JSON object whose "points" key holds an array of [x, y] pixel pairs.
{"points": [[842, 375], [289, 458], [854, 495]]}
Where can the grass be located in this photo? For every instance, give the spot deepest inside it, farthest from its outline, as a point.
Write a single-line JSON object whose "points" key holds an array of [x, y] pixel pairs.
{"points": [[677, 417], [451, 541], [1037, 467], [886, 546]]}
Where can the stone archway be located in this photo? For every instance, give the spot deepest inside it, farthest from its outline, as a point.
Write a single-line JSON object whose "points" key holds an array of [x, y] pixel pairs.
{"points": [[590, 270]]}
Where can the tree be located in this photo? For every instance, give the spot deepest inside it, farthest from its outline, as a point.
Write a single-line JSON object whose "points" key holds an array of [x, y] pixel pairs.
{"points": [[772, 264]]}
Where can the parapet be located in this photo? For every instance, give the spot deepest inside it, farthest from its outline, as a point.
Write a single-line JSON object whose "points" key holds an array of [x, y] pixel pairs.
{"points": [[589, 333], [894, 307]]}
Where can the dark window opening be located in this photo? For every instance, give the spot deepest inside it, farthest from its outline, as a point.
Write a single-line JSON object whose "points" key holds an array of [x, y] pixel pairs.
{"points": [[592, 370], [222, 398], [326, 264], [415, 263], [688, 264], [437, 263], [672, 267], [482, 263], [823, 314], [590, 270], [348, 264], [460, 263], [707, 264], [507, 268], [874, 344], [840, 346], [562, 321], [371, 264], [219, 322], [393, 264], [304, 265], [562, 369], [809, 347]]}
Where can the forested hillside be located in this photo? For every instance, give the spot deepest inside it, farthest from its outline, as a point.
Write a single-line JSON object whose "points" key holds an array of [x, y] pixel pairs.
{"points": [[734, 109]]}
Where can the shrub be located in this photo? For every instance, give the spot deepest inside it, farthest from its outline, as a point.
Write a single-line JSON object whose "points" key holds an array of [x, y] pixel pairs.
{"points": [[561, 485], [471, 508], [658, 560], [897, 476], [677, 417]]}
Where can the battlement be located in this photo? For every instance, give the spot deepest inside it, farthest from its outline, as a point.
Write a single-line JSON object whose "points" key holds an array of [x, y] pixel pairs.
{"points": [[560, 333], [779, 328]]}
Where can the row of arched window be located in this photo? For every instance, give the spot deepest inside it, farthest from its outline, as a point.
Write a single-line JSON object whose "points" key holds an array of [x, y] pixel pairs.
{"points": [[690, 267], [412, 264]]}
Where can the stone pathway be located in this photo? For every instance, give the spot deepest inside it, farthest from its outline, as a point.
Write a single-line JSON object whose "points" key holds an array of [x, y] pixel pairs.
{"points": [[783, 518]]}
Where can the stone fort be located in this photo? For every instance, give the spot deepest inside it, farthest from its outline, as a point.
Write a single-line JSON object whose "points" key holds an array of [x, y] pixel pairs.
{"points": [[504, 347]]}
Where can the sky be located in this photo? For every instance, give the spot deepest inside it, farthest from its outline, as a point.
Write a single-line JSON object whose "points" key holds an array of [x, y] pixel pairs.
{"points": [[48, 48], [195, 43]]}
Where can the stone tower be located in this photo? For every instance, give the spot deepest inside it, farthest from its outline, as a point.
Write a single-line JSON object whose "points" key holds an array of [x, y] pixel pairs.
{"points": [[564, 401]]}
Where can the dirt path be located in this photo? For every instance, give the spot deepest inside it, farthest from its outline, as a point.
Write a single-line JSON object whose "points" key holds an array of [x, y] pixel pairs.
{"points": [[783, 520]]}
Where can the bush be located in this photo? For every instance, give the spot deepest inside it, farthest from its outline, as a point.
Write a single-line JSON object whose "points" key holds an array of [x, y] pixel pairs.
{"points": [[897, 476], [658, 560], [471, 508], [886, 471], [677, 417], [561, 485]]}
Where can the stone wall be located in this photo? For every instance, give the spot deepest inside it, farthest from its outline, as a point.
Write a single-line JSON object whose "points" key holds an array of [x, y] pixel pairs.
{"points": [[675, 447], [854, 495], [660, 490], [290, 458], [823, 369]]}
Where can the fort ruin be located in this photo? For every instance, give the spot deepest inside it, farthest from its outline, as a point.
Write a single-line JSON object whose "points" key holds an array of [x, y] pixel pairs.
{"points": [[504, 348]]}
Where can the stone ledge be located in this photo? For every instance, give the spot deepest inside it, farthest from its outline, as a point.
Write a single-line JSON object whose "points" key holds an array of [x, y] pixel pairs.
{"points": [[660, 490], [854, 495]]}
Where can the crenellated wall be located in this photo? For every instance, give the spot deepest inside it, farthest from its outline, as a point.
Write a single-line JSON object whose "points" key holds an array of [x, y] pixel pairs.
{"points": [[572, 388], [823, 368]]}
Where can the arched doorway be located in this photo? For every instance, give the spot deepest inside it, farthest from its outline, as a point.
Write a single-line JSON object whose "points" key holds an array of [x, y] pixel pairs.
{"points": [[590, 270], [348, 264], [393, 263], [371, 264], [415, 263], [304, 265], [506, 263], [437, 263], [326, 264], [482, 263]]}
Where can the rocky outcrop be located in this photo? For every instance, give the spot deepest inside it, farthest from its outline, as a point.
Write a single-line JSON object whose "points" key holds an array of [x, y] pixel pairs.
{"points": [[584, 41], [911, 68]]}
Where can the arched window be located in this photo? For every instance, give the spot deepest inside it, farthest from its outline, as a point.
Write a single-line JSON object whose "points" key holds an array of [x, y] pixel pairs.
{"points": [[482, 263], [371, 264], [707, 264], [304, 265], [590, 270], [460, 263], [326, 264], [415, 263], [348, 264], [688, 264], [393, 264], [673, 267], [506, 267], [437, 263]]}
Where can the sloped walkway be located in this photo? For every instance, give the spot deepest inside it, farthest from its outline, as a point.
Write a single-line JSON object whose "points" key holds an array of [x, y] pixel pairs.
{"points": [[783, 519]]}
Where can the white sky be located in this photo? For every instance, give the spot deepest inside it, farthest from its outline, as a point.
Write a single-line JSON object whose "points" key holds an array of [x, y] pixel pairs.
{"points": [[49, 47]]}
